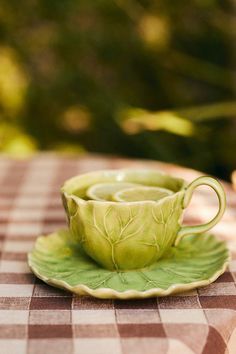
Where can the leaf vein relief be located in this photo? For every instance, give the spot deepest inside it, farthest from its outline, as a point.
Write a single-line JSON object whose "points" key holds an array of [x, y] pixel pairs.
{"points": [[131, 219], [148, 280], [172, 210], [121, 224], [113, 257], [154, 244], [121, 277], [163, 221], [98, 228], [107, 212], [99, 283], [130, 235], [158, 221]]}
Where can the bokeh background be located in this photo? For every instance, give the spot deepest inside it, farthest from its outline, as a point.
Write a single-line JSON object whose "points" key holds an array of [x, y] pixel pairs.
{"points": [[139, 78]]}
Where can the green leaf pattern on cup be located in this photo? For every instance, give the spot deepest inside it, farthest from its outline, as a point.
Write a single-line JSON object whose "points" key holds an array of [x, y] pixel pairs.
{"points": [[125, 235]]}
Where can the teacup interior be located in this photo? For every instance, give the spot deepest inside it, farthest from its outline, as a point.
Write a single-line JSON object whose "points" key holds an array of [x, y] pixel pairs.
{"points": [[78, 185]]}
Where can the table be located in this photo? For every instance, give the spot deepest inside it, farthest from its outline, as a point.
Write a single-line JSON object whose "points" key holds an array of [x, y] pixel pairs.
{"points": [[38, 319]]}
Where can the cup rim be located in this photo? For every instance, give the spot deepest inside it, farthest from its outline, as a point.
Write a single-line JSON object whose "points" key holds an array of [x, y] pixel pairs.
{"points": [[114, 172]]}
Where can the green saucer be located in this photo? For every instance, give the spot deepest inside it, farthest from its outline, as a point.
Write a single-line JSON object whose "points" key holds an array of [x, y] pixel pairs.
{"points": [[197, 261]]}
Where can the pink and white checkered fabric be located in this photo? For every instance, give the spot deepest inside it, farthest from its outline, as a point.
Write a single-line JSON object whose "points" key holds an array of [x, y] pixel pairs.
{"points": [[36, 318]]}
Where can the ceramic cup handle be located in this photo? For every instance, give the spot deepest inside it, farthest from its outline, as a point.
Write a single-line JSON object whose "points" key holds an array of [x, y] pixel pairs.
{"points": [[214, 184]]}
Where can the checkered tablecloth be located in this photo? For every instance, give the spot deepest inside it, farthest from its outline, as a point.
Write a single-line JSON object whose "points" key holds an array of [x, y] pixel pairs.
{"points": [[36, 318]]}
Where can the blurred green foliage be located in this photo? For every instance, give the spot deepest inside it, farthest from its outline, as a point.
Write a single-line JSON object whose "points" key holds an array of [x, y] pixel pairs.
{"points": [[119, 77]]}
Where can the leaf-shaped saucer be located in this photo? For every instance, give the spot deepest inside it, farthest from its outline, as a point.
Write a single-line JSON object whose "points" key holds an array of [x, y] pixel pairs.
{"points": [[197, 261]]}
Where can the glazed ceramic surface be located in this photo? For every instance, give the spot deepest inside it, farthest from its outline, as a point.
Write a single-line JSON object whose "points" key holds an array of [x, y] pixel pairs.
{"points": [[131, 235], [195, 262]]}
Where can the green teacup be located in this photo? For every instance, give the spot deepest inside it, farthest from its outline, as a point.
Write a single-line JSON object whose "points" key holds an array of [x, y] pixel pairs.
{"points": [[132, 235]]}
